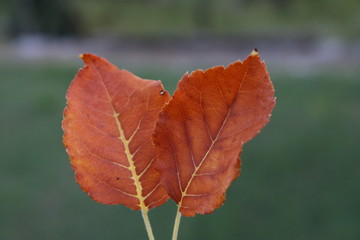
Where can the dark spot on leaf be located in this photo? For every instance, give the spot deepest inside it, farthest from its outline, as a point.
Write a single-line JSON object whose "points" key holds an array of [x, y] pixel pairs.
{"points": [[117, 178]]}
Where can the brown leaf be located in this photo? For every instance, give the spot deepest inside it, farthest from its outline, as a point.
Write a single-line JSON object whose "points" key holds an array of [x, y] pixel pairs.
{"points": [[108, 125], [200, 133]]}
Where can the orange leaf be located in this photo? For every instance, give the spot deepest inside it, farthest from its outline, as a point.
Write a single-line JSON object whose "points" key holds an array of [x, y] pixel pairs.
{"points": [[200, 133], [108, 125]]}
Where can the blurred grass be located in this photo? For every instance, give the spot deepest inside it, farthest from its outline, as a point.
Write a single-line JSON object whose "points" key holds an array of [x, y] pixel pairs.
{"points": [[299, 179], [154, 18], [225, 17]]}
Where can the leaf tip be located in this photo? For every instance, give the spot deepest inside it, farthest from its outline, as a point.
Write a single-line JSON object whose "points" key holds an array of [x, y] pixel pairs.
{"points": [[88, 57], [254, 52]]}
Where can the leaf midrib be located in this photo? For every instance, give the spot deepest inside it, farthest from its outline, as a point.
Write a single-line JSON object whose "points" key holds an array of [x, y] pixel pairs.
{"points": [[125, 143], [184, 193]]}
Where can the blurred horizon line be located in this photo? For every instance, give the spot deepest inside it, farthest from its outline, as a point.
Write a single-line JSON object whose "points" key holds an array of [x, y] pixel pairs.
{"points": [[296, 54]]}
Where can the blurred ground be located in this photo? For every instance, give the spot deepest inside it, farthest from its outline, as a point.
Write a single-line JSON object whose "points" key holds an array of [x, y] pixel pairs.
{"points": [[300, 175], [292, 55]]}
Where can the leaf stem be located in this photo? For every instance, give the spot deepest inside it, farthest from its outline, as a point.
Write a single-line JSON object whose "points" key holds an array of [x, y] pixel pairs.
{"points": [[176, 224], [144, 213]]}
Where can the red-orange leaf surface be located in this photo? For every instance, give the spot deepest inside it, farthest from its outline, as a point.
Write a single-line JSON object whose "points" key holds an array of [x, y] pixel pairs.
{"points": [[200, 133], [108, 125]]}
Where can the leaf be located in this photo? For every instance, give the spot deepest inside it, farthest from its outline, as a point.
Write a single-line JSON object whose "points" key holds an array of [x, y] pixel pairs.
{"points": [[200, 133], [108, 125]]}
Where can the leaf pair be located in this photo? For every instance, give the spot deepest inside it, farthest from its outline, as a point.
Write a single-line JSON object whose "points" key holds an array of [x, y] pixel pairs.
{"points": [[130, 144]]}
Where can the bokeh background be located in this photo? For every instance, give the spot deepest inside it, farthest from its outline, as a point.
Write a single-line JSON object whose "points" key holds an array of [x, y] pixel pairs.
{"points": [[300, 178]]}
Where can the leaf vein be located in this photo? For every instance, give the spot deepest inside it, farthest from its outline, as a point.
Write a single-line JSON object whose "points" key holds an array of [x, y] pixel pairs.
{"points": [[212, 144], [125, 143], [147, 167]]}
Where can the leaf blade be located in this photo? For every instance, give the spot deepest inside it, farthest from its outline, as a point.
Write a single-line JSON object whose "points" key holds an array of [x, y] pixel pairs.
{"points": [[201, 131], [108, 123]]}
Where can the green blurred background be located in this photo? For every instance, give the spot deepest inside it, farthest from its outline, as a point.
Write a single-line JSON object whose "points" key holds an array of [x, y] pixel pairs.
{"points": [[300, 177]]}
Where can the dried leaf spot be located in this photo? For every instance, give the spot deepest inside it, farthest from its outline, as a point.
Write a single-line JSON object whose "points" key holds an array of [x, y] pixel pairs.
{"points": [[255, 52]]}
